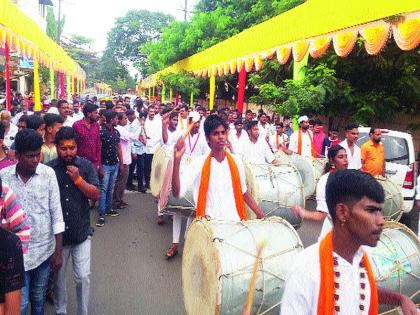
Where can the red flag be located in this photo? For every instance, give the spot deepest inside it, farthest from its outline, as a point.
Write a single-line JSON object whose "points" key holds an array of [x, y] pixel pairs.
{"points": [[7, 70], [241, 89]]}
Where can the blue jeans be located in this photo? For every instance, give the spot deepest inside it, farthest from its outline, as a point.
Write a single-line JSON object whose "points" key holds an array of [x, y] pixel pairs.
{"points": [[107, 185], [36, 282]]}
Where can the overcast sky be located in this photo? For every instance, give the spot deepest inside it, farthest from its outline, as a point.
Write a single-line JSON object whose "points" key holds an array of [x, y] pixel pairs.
{"points": [[94, 18]]}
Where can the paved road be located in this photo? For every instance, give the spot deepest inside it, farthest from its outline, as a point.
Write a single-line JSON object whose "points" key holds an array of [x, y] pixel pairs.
{"points": [[130, 274]]}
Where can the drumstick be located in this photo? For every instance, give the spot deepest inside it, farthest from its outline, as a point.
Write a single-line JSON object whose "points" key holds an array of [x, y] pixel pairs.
{"points": [[253, 282], [190, 127]]}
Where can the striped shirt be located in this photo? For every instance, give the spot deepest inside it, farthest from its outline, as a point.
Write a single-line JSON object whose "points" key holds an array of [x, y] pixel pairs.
{"points": [[13, 218]]}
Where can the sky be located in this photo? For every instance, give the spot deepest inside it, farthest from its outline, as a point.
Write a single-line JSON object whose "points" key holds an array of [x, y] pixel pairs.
{"points": [[94, 18]]}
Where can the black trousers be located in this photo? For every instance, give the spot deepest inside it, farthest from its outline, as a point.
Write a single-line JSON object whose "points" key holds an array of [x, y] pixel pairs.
{"points": [[148, 168], [139, 163]]}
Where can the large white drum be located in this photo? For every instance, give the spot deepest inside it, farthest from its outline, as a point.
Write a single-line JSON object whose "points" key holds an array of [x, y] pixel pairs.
{"points": [[396, 262], [275, 189], [307, 173], [218, 260], [159, 164], [319, 168], [168, 204], [394, 201], [282, 157]]}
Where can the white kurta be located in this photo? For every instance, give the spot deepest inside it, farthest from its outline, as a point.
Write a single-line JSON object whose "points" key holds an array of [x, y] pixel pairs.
{"points": [[238, 142], [196, 145], [220, 198], [354, 160], [153, 130], [301, 292], [281, 140], [258, 152], [321, 204], [306, 143], [173, 137]]}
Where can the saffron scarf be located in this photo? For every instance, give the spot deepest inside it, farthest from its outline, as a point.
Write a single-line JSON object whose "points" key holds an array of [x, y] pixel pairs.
{"points": [[300, 143], [236, 184], [326, 290]]}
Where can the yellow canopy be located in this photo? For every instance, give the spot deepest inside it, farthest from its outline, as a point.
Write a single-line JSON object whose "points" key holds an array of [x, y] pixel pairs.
{"points": [[311, 26], [24, 36]]}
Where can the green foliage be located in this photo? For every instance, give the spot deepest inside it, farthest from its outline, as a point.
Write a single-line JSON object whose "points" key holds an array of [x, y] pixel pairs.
{"points": [[133, 30], [183, 82], [78, 47]]}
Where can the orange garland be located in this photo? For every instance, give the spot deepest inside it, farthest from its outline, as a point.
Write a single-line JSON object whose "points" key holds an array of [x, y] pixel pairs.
{"points": [[326, 290], [236, 183]]}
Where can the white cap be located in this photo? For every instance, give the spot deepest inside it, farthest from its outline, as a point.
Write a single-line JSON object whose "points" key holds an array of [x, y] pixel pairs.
{"points": [[302, 118], [194, 115]]}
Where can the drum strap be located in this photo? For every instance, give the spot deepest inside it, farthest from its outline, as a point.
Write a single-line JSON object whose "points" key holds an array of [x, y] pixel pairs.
{"points": [[300, 143], [326, 297], [236, 183]]}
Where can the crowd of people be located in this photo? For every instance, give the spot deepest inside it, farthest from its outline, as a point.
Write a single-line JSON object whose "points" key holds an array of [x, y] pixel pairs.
{"points": [[55, 165]]}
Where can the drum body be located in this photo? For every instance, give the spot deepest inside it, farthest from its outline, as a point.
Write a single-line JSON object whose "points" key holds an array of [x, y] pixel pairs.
{"points": [[319, 167], [396, 262], [394, 200], [282, 157], [276, 189], [307, 173], [159, 164], [168, 204], [218, 261]]}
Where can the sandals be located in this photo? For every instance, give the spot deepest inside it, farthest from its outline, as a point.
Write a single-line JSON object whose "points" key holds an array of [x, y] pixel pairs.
{"points": [[172, 251]]}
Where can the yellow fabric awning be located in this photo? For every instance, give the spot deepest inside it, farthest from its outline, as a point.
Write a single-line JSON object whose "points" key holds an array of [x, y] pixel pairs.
{"points": [[311, 27], [25, 37]]}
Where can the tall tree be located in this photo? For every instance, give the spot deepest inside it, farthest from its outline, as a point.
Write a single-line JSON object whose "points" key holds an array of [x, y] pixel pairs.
{"points": [[78, 47], [133, 30]]}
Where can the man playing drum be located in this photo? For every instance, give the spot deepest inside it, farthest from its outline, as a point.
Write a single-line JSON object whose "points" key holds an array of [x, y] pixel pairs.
{"points": [[218, 178], [196, 145], [256, 150], [335, 276]]}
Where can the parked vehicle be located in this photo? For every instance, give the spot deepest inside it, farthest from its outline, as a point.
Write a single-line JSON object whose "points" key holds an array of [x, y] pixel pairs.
{"points": [[400, 158]]}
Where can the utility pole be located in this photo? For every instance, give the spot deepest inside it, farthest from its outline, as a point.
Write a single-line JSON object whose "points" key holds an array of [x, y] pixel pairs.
{"points": [[59, 22], [185, 10]]}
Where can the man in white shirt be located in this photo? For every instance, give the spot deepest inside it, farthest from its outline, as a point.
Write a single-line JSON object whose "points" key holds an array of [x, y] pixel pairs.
{"points": [[263, 126], [153, 130], [279, 141], [24, 111], [183, 118], [77, 114], [126, 141], [256, 150], [220, 201], [335, 275], [354, 154], [10, 130], [64, 111], [196, 146], [238, 137], [301, 141]]}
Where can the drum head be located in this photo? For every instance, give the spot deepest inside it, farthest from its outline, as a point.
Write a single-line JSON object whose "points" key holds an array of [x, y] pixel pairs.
{"points": [[200, 270], [158, 171], [396, 262], [394, 200], [307, 173]]}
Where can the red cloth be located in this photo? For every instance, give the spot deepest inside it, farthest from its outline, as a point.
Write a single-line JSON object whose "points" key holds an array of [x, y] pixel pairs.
{"points": [[241, 89], [318, 141], [7, 70], [88, 141], [62, 88]]}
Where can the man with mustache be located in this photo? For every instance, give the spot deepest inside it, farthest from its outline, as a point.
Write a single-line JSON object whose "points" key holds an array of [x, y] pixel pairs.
{"points": [[373, 156], [78, 182], [334, 276]]}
